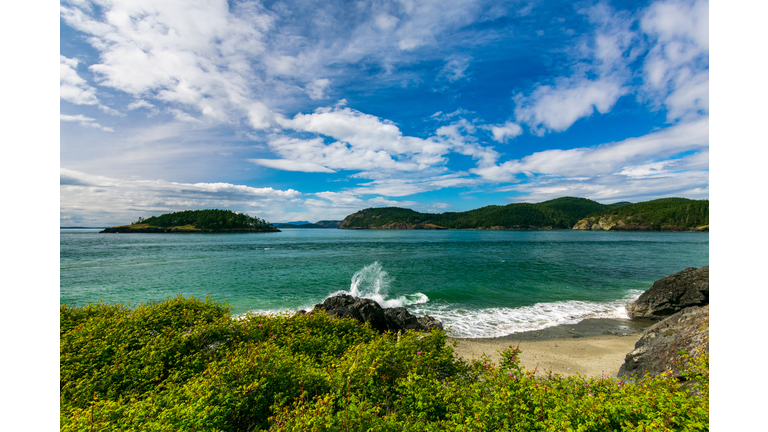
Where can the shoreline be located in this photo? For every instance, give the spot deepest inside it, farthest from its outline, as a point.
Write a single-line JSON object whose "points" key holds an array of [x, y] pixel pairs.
{"points": [[593, 347]]}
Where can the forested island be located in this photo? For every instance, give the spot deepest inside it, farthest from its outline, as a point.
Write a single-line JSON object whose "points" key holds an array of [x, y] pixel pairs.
{"points": [[196, 221], [665, 214]]}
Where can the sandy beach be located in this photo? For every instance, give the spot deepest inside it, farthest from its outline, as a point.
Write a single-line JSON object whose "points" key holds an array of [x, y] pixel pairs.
{"points": [[593, 347]]}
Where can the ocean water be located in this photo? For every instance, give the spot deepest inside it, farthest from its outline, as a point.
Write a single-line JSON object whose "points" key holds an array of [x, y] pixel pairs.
{"points": [[479, 283]]}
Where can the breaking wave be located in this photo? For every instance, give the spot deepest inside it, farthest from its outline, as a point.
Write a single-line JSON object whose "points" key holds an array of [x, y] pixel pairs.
{"points": [[372, 282], [496, 322]]}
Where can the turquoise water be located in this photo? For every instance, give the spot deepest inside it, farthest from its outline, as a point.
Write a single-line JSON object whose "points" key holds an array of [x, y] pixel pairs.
{"points": [[480, 283]]}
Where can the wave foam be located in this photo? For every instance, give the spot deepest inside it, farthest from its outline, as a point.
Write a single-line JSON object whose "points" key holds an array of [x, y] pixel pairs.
{"points": [[372, 282], [496, 322]]}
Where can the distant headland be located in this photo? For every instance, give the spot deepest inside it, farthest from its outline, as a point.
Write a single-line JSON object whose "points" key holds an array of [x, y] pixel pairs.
{"points": [[197, 221], [665, 214]]}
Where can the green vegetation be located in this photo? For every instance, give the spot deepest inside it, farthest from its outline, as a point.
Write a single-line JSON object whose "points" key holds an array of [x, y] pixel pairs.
{"points": [[204, 219], [185, 364], [557, 213], [680, 212]]}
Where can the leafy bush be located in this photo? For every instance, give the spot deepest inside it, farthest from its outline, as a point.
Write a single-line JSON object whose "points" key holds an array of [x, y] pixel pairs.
{"points": [[186, 364]]}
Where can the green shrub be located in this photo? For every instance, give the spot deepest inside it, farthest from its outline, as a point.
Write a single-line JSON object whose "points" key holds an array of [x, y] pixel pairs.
{"points": [[185, 364]]}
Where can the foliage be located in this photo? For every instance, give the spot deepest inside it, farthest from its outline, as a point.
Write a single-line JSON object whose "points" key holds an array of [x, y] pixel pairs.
{"points": [[681, 212], [557, 213], [562, 212], [185, 364], [205, 219]]}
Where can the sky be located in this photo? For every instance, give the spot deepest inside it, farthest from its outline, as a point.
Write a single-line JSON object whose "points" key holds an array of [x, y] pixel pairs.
{"points": [[298, 110]]}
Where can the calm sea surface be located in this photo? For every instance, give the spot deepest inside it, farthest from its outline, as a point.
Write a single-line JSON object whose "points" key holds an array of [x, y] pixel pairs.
{"points": [[481, 283]]}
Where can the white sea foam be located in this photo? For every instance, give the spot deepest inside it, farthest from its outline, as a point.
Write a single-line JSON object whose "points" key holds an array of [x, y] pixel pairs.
{"points": [[372, 282], [495, 322]]}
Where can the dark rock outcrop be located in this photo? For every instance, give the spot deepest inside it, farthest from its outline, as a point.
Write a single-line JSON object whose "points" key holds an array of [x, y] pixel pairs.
{"points": [[673, 293], [367, 310], [659, 348]]}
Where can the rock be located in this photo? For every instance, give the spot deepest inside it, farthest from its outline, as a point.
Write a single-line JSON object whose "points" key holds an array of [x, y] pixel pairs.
{"points": [[404, 319], [658, 350], [673, 293], [429, 322], [368, 311]]}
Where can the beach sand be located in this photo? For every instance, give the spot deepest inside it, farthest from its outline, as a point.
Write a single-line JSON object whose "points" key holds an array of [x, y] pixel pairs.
{"points": [[593, 347]]}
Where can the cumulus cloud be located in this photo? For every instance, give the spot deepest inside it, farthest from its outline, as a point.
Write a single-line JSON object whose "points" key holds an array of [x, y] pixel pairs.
{"points": [[85, 122], [504, 132], [556, 108]]}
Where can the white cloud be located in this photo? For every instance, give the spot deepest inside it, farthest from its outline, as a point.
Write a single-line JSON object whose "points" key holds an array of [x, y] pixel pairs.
{"points": [[120, 201], [316, 89], [454, 69], [385, 21], [291, 165], [614, 188], [503, 133], [141, 103], [556, 108], [190, 52], [84, 121], [676, 71], [606, 158], [72, 87]]}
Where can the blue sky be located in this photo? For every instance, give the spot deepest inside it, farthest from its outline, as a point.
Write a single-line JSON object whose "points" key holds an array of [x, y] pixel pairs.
{"points": [[296, 110]]}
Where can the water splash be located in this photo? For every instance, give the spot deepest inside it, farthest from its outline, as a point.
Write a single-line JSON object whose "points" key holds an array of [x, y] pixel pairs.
{"points": [[372, 282]]}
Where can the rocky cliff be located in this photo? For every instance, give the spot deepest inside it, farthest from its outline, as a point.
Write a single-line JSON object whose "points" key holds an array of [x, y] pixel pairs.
{"points": [[665, 344], [618, 223]]}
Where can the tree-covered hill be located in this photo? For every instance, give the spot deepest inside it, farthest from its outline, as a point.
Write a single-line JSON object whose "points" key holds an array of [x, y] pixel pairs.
{"points": [[197, 220], [564, 213], [557, 213], [664, 213]]}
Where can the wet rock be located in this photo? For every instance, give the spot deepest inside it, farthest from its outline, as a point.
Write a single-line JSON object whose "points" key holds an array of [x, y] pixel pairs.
{"points": [[430, 323], [404, 319], [368, 311], [673, 293], [659, 348]]}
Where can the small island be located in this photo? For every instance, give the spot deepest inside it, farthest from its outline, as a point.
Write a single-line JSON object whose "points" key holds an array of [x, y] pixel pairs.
{"points": [[197, 221]]}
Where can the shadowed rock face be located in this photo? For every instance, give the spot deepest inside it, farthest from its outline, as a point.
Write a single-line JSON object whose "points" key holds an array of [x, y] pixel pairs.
{"points": [[367, 310], [673, 293], [658, 350]]}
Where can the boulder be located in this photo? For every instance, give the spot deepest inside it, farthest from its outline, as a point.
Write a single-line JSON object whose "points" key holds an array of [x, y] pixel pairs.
{"points": [[659, 348], [368, 311], [429, 322], [673, 293], [404, 319]]}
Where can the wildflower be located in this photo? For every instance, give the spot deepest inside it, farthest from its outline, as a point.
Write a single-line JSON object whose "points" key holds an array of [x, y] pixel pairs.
{"points": [[274, 336], [259, 325], [590, 394], [418, 352]]}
